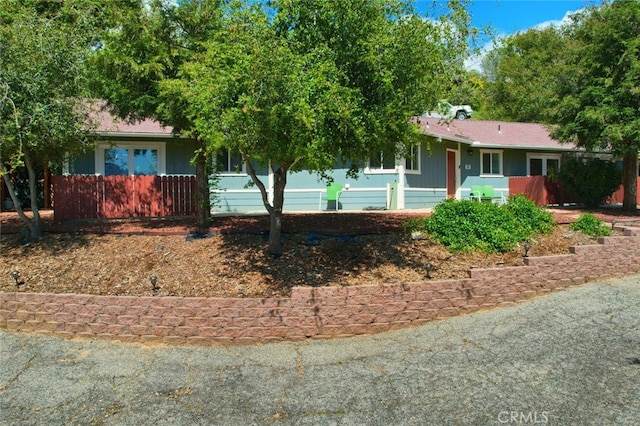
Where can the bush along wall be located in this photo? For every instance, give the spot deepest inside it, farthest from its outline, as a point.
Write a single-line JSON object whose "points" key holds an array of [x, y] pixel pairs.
{"points": [[313, 312]]}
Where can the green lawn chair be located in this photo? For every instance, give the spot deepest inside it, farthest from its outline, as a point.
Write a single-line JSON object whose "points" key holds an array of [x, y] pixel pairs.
{"points": [[476, 193], [332, 195], [489, 194]]}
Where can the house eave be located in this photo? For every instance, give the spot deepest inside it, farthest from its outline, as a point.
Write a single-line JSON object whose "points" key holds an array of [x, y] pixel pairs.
{"points": [[138, 135], [525, 147], [477, 144]]}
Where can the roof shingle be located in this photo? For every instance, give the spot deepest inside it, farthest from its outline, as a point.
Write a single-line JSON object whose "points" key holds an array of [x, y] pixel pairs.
{"points": [[497, 134]]}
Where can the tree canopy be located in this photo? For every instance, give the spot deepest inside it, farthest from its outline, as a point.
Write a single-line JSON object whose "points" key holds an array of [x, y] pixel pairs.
{"points": [[43, 116], [581, 79], [599, 101], [297, 85], [523, 74], [289, 84], [139, 57]]}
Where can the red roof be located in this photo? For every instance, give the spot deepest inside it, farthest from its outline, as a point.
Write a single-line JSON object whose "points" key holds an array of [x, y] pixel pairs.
{"points": [[108, 123], [489, 134], [493, 134]]}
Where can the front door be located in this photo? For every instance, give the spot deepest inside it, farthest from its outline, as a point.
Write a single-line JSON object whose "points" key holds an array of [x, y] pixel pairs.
{"points": [[451, 174]]}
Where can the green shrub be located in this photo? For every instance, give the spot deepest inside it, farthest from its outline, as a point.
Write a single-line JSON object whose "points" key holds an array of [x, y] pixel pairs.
{"points": [[532, 218], [591, 180], [590, 225], [466, 225]]}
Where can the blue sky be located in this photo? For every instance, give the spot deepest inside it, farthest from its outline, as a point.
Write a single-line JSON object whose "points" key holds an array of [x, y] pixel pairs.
{"points": [[510, 16], [506, 17]]}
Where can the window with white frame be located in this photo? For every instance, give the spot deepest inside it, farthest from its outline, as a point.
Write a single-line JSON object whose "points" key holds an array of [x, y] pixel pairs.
{"points": [[542, 164], [229, 162], [387, 162], [131, 159], [491, 164], [384, 162], [412, 162]]}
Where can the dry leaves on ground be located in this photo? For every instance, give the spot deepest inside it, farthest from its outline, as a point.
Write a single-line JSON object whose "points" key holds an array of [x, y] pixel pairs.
{"points": [[237, 265]]}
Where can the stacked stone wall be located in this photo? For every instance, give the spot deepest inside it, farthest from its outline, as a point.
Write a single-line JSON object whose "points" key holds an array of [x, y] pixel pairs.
{"points": [[313, 312]]}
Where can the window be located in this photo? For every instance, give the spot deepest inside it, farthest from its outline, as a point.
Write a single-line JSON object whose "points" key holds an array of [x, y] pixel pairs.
{"points": [[145, 162], [383, 162], [542, 164], [116, 162], [139, 159], [228, 162], [387, 162], [412, 162], [491, 163]]}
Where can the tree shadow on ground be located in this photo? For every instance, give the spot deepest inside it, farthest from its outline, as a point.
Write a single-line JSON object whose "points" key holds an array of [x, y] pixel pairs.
{"points": [[318, 260]]}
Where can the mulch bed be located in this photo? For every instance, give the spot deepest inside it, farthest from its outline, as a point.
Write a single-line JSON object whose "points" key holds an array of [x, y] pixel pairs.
{"points": [[118, 257]]}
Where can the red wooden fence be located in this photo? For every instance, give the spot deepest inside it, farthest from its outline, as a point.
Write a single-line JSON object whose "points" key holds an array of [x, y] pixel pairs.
{"points": [[618, 196], [110, 197], [544, 192]]}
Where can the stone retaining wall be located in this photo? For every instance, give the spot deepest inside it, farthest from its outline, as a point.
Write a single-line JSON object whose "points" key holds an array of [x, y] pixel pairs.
{"points": [[313, 312]]}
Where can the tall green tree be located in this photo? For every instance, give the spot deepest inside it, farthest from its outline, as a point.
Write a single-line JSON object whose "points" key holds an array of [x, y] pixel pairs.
{"points": [[141, 54], [523, 73], [42, 115], [600, 99], [296, 85], [470, 88]]}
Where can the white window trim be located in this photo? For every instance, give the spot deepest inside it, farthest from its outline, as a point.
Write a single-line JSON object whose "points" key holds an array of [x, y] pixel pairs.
{"points": [[399, 162], [542, 156], [492, 151], [381, 171], [243, 171], [159, 146], [417, 160]]}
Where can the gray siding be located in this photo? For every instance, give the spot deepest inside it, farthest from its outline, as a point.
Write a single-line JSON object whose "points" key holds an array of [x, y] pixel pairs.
{"points": [[237, 201], [179, 154], [515, 162], [236, 193], [83, 165], [423, 198], [303, 191]]}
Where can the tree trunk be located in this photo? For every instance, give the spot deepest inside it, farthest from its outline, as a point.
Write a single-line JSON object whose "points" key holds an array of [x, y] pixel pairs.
{"points": [[630, 181], [275, 209], [275, 224], [203, 202], [275, 233], [34, 225]]}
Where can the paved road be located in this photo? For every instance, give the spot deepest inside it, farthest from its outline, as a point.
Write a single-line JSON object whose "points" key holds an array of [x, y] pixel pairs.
{"points": [[571, 358]]}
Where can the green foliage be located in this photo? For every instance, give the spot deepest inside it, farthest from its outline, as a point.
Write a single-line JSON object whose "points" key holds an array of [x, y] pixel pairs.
{"points": [[41, 82], [464, 225], [43, 114], [588, 224], [522, 73], [591, 180], [531, 218], [292, 84], [599, 98], [582, 78], [323, 81]]}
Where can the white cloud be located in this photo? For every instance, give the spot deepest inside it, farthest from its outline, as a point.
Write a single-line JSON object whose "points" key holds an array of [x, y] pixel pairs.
{"points": [[557, 23], [474, 62]]}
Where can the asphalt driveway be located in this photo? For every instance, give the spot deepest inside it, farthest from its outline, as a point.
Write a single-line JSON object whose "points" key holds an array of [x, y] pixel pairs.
{"points": [[569, 358]]}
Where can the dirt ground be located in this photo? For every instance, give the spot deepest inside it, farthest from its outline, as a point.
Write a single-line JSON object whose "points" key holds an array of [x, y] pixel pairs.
{"points": [[231, 260]]}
